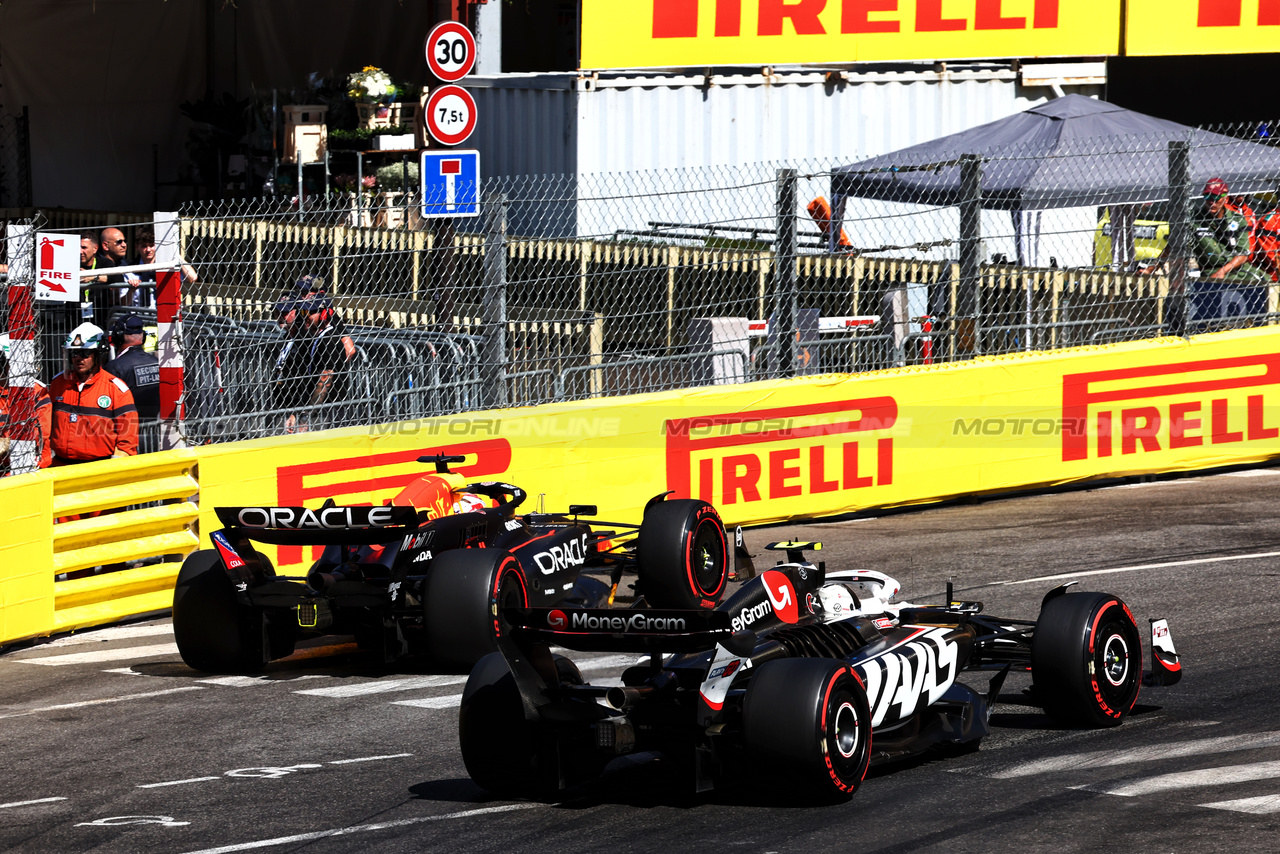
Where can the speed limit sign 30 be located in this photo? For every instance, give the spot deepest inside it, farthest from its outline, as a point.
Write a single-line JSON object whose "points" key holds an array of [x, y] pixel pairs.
{"points": [[451, 115], [451, 51]]}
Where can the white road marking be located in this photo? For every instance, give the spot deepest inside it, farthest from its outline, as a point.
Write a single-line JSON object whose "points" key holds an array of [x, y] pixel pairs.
{"points": [[1195, 562], [1257, 806], [100, 702], [382, 686], [1253, 473], [267, 772], [124, 671], [452, 701], [1189, 780], [111, 634], [101, 655], [29, 803], [360, 828], [235, 681], [175, 782], [369, 758], [1104, 758]]}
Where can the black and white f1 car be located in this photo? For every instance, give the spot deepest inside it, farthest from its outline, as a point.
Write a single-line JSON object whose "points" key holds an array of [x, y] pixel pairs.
{"points": [[805, 675], [428, 572]]}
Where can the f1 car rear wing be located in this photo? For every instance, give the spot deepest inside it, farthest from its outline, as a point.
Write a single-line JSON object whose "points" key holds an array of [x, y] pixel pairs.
{"points": [[328, 524], [613, 630]]}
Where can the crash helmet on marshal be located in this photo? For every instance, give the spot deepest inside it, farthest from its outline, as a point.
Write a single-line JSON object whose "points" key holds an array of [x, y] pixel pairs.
{"points": [[86, 336]]}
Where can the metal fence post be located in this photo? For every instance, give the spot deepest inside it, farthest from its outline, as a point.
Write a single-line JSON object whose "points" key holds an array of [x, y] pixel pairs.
{"points": [[22, 430], [1177, 308], [786, 311], [969, 298], [494, 304], [169, 344]]}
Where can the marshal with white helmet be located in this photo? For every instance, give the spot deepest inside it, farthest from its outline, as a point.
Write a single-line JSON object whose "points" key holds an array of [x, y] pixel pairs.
{"points": [[803, 677]]}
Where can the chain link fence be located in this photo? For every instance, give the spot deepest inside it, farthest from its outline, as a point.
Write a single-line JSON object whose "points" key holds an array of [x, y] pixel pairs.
{"points": [[334, 308]]}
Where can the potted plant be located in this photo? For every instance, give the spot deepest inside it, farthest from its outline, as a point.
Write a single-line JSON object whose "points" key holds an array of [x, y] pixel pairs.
{"points": [[393, 202], [376, 98]]}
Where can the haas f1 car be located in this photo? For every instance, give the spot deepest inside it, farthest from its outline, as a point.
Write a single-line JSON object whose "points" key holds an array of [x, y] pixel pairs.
{"points": [[804, 675], [429, 572]]}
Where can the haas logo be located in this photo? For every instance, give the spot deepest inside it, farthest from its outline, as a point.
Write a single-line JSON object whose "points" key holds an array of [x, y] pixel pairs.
{"points": [[781, 596], [557, 620]]}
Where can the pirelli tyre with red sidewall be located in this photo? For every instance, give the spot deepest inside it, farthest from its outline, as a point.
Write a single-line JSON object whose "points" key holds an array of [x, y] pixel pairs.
{"points": [[807, 721], [1086, 659], [214, 630], [463, 599], [682, 555]]}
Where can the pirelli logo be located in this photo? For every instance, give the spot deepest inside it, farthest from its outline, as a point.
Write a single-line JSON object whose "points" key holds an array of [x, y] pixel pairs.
{"points": [[787, 452], [1181, 405], [353, 480]]}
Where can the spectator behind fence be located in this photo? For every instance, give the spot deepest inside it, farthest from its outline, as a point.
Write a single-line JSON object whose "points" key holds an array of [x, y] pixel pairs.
{"points": [[313, 286], [315, 371], [144, 244], [140, 371], [1221, 240], [287, 390], [44, 412], [114, 252], [94, 416], [89, 260]]}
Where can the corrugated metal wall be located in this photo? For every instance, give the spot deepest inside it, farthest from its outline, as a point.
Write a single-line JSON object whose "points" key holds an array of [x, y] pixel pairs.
{"points": [[619, 134], [558, 123]]}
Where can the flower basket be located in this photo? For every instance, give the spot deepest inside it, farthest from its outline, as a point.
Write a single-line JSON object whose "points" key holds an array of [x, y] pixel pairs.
{"points": [[386, 115]]}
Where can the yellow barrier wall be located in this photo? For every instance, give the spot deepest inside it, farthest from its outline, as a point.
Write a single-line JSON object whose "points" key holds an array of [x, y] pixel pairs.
{"points": [[48, 527], [26, 553], [772, 451], [762, 452]]}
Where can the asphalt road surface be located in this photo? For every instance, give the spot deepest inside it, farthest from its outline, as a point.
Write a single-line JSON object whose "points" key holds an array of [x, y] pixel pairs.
{"points": [[111, 744]]}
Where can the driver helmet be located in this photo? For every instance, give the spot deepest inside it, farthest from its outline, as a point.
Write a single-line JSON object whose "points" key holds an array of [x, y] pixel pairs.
{"points": [[833, 601], [468, 502]]}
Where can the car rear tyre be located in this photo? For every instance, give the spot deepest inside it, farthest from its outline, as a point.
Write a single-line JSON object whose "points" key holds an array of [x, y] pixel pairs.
{"points": [[214, 632], [499, 746], [807, 720], [463, 597], [1086, 659], [682, 555]]}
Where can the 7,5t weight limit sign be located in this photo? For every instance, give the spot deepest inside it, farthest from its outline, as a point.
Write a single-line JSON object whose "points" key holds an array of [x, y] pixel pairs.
{"points": [[451, 51], [451, 115]]}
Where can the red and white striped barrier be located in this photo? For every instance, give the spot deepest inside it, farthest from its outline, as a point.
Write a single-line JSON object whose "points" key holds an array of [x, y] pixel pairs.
{"points": [[23, 430]]}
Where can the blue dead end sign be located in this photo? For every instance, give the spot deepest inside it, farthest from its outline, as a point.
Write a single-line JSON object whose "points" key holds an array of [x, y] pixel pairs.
{"points": [[450, 182]]}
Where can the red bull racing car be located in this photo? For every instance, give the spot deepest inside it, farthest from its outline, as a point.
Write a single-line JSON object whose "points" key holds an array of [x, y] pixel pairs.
{"points": [[807, 676], [431, 571]]}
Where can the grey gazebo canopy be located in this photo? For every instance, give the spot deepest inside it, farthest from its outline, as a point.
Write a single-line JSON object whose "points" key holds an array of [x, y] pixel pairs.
{"points": [[1070, 152]]}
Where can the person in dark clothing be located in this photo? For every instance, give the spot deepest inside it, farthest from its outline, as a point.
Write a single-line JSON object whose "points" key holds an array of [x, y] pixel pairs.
{"points": [[139, 369], [313, 371]]}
